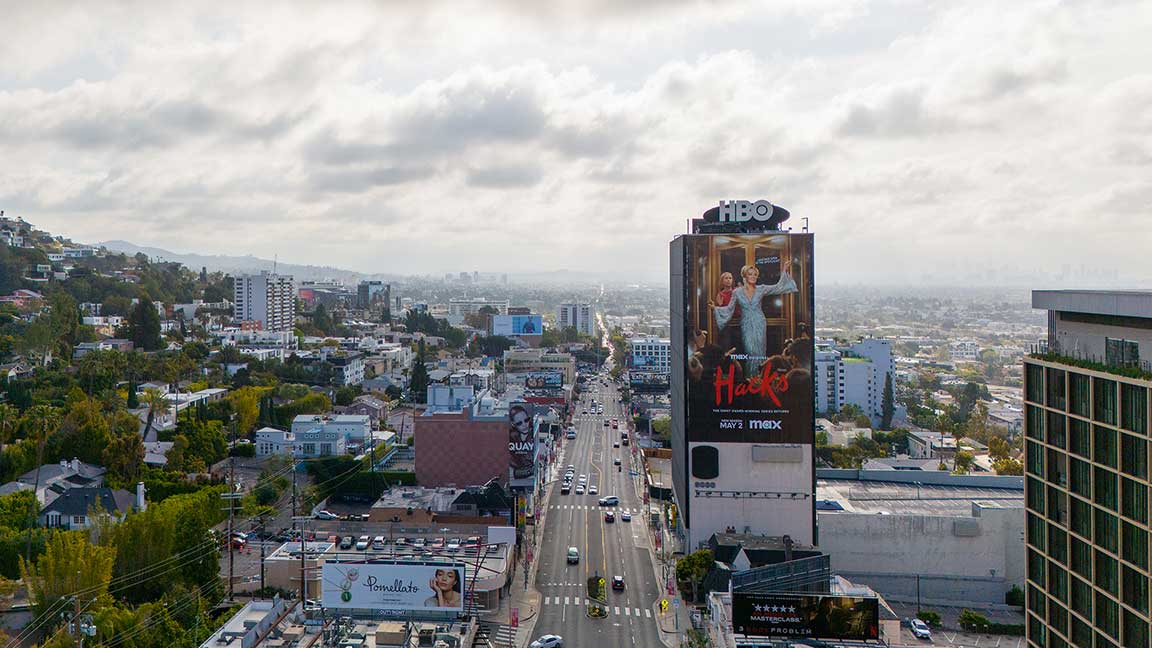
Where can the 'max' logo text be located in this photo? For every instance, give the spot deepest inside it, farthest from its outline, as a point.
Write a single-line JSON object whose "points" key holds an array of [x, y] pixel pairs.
{"points": [[764, 425]]}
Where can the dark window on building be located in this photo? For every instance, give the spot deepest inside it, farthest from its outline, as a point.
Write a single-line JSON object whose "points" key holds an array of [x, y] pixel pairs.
{"points": [[1133, 500], [1104, 401], [1104, 445], [1107, 615], [1057, 582], [1056, 435], [1135, 630], [1081, 564], [1037, 631], [1057, 544], [1079, 437], [1037, 602], [1036, 569], [1036, 531], [1081, 514], [1121, 353], [1081, 632], [1080, 477], [1057, 467], [1055, 383], [1079, 401], [1034, 383], [1104, 489], [1134, 408], [1057, 620], [1034, 423], [1035, 494], [1034, 459], [1057, 505], [1106, 530], [1133, 456], [1081, 598], [1134, 545], [1107, 568], [1135, 589]]}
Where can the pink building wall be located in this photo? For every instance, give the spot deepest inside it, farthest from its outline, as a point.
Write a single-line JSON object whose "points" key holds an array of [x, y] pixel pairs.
{"points": [[452, 450]]}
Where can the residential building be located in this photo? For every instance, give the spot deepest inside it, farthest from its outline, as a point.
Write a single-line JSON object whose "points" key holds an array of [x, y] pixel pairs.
{"points": [[271, 441], [56, 478], [651, 354], [855, 374], [926, 444], [965, 349], [528, 360], [265, 299], [373, 293], [78, 508], [320, 442], [370, 406], [353, 428], [578, 316], [347, 368], [1086, 471], [111, 344]]}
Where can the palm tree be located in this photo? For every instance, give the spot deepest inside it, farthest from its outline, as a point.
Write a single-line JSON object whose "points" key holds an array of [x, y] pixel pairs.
{"points": [[9, 419], [156, 404]]}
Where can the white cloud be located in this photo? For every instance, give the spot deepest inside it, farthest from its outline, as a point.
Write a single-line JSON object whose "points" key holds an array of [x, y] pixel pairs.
{"points": [[394, 137]]}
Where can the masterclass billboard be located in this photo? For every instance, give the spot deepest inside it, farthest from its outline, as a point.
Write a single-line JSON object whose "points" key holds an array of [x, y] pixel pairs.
{"points": [[393, 586], [513, 325], [808, 616], [748, 330]]}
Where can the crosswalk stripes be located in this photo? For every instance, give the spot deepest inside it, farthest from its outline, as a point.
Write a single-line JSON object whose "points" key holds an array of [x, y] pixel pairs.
{"points": [[580, 601]]}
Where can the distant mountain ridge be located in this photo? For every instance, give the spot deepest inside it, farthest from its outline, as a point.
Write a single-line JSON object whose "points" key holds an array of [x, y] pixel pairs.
{"points": [[240, 264]]}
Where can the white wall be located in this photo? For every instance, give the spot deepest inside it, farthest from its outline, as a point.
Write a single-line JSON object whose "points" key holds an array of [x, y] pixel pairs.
{"points": [[888, 552], [756, 485]]}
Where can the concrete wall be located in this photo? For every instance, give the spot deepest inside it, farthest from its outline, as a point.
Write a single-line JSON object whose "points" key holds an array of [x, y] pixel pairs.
{"points": [[452, 450], [1082, 339], [975, 558]]}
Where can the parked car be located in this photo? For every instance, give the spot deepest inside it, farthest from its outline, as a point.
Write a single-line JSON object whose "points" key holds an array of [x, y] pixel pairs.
{"points": [[346, 542], [378, 543], [362, 543], [325, 514], [453, 545], [921, 629], [472, 542], [438, 543]]}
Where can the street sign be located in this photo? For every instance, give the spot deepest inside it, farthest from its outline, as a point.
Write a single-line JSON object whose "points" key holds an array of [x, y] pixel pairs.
{"points": [[663, 605], [675, 602]]}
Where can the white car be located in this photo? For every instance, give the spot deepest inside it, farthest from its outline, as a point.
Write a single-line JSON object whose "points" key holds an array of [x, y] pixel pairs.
{"points": [[580, 489], [325, 514], [378, 543], [610, 500], [592, 490], [921, 630], [362, 543], [548, 641]]}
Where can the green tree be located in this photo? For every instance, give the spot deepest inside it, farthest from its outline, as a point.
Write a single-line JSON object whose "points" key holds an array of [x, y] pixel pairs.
{"points": [[888, 405], [1008, 466], [418, 385], [133, 399], [156, 403], [321, 320], [69, 563], [963, 462], [144, 326], [692, 569], [998, 448]]}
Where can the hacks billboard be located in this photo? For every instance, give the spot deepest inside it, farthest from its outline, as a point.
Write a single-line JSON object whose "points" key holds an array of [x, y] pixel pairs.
{"points": [[748, 331], [811, 616]]}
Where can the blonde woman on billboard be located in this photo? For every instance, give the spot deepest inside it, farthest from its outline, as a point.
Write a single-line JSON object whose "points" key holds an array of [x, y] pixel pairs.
{"points": [[753, 324], [446, 585]]}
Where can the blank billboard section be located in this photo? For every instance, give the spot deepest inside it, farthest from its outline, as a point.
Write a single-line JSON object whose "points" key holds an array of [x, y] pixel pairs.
{"points": [[705, 462], [777, 453]]}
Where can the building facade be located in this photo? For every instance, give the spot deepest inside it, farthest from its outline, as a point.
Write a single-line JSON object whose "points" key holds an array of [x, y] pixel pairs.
{"points": [[266, 299], [578, 316], [1086, 471], [651, 354], [855, 375], [461, 306]]}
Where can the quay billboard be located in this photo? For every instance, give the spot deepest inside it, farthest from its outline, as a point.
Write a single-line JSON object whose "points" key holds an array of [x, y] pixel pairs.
{"points": [[428, 587], [521, 445], [805, 616], [748, 327]]}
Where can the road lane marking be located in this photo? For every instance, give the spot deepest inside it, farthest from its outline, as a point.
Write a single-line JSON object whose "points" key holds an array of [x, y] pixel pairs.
{"points": [[647, 613], [627, 612], [565, 600], [616, 611]]}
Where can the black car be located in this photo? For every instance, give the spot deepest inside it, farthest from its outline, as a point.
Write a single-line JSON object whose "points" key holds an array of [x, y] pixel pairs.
{"points": [[618, 582]]}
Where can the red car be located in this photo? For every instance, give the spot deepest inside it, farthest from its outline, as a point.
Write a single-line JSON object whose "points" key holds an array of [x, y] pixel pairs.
{"points": [[609, 517]]}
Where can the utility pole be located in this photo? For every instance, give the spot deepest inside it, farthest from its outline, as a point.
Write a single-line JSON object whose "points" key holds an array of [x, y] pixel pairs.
{"points": [[231, 495], [263, 521]]}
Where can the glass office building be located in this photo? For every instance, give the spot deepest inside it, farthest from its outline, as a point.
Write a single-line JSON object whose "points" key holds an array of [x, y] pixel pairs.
{"points": [[1086, 455]]}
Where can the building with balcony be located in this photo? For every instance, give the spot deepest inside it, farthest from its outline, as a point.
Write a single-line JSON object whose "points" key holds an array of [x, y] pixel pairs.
{"points": [[266, 300], [1086, 399]]}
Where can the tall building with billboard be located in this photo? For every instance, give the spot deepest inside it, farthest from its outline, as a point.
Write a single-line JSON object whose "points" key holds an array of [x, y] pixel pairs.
{"points": [[742, 364], [1086, 400]]}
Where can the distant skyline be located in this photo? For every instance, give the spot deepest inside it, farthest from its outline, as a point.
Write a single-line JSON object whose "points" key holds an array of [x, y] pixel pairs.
{"points": [[924, 141]]}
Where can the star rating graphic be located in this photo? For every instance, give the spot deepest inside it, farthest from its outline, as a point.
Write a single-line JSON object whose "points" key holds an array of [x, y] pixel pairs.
{"points": [[775, 608]]}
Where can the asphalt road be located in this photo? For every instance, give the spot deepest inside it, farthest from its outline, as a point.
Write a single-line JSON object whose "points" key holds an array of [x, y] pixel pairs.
{"points": [[606, 549]]}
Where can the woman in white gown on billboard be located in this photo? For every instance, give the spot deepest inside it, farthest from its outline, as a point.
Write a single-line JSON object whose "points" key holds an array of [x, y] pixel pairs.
{"points": [[753, 324]]}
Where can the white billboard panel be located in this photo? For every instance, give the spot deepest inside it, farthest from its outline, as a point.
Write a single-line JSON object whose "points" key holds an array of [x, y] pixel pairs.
{"points": [[393, 586]]}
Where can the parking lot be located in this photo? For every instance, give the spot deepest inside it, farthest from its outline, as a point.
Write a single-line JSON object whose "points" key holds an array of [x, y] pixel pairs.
{"points": [[949, 635]]}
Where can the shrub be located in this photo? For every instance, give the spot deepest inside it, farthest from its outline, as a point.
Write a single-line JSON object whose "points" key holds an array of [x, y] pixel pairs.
{"points": [[1014, 596], [929, 617]]}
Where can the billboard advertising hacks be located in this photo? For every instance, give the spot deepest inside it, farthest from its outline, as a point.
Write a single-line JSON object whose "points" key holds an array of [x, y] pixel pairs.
{"points": [[393, 586], [521, 445], [748, 331], [544, 380], [513, 325], [810, 616]]}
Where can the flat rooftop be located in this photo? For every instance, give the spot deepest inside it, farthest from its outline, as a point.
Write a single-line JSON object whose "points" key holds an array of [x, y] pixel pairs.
{"points": [[908, 499], [1120, 303], [660, 472]]}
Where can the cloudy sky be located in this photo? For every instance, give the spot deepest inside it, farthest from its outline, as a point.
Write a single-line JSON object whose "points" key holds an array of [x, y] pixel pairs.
{"points": [[921, 138]]}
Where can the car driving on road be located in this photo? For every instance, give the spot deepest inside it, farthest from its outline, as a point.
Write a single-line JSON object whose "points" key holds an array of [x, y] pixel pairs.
{"points": [[548, 641]]}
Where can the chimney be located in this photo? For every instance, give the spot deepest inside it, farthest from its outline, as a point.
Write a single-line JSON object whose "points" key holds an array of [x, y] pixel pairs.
{"points": [[75, 464], [141, 505], [63, 464]]}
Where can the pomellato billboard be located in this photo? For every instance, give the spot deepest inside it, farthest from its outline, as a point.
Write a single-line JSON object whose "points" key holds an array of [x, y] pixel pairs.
{"points": [[748, 321], [393, 586], [806, 616]]}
